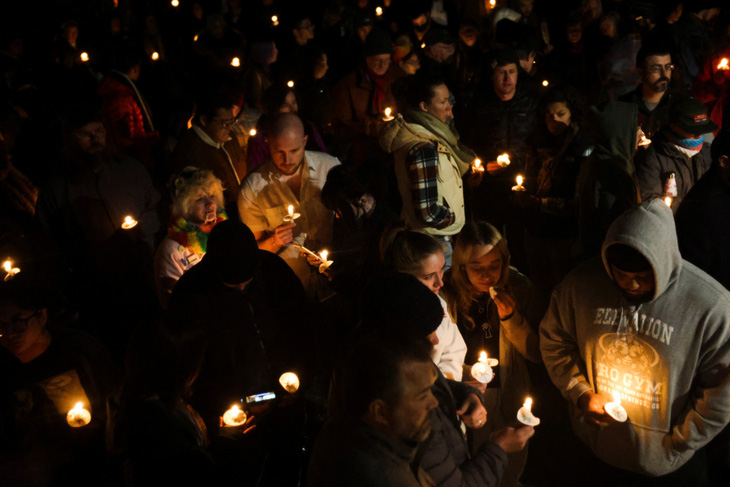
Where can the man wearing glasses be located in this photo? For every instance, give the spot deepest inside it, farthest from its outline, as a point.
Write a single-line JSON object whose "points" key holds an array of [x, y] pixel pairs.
{"points": [[653, 95], [208, 145]]}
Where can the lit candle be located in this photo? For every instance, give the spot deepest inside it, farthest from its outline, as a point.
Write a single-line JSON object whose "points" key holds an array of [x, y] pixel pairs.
{"points": [[290, 84], [235, 62], [482, 370], [275, 20], [10, 271], [668, 201], [289, 381], [477, 166], [78, 416], [644, 141], [545, 82], [195, 39], [503, 160], [155, 56], [615, 409], [84, 57], [378, 11], [423, 45], [325, 263], [129, 222], [519, 186], [175, 3], [723, 64], [234, 416], [387, 117], [291, 216], [525, 416], [492, 3], [252, 132]]}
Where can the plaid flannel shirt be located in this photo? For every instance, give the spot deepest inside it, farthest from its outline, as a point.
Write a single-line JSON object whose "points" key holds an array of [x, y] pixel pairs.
{"points": [[422, 163]]}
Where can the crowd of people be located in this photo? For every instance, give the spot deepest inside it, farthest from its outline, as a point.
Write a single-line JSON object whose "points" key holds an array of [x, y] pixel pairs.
{"points": [[365, 243]]}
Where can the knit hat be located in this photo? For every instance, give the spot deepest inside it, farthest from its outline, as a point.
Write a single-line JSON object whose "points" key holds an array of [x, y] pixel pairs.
{"points": [[691, 116], [378, 42], [232, 252], [400, 301]]}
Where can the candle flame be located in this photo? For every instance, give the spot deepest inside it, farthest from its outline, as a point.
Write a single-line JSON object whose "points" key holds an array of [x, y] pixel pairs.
{"points": [[289, 381], [483, 356], [388, 111], [668, 201], [290, 209], [616, 397], [324, 255], [477, 164], [545, 82], [234, 416], [423, 45], [175, 3], [492, 3], [519, 180], [290, 84], [84, 57], [235, 62], [723, 64], [378, 11], [129, 222], [155, 56], [252, 132], [8, 265], [275, 20], [528, 403], [503, 160], [78, 406], [195, 39]]}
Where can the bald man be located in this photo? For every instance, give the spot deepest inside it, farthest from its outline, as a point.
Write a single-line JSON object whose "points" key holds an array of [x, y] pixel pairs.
{"points": [[292, 176]]}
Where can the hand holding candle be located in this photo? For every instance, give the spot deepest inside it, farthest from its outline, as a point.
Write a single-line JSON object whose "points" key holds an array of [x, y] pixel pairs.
{"points": [[476, 166], [503, 160], [78, 416], [525, 416], [615, 409], [482, 370], [519, 186], [325, 263]]}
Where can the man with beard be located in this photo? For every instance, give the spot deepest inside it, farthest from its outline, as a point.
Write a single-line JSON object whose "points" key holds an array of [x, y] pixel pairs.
{"points": [[644, 327], [84, 208], [291, 177], [653, 96]]}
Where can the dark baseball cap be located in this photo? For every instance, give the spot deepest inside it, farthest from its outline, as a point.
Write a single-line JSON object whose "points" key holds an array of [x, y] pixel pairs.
{"points": [[691, 116]]}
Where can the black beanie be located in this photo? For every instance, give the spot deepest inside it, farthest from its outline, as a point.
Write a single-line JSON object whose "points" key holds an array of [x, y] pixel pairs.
{"points": [[400, 301], [232, 252], [377, 42]]}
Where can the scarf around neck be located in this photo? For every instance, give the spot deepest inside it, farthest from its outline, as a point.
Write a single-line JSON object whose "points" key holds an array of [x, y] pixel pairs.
{"points": [[380, 87], [688, 147], [191, 236], [447, 133]]}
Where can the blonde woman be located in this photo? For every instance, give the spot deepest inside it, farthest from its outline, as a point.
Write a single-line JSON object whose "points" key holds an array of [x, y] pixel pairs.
{"points": [[498, 310], [197, 206], [422, 256]]}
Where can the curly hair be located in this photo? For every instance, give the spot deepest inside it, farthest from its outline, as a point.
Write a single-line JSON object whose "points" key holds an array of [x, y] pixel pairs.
{"points": [[573, 99], [192, 183]]}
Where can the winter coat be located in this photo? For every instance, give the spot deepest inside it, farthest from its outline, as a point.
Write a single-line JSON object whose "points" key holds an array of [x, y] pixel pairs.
{"points": [[667, 357], [652, 121]]}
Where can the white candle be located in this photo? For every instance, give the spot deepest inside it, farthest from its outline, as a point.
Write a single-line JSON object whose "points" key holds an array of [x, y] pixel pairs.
{"points": [[78, 416], [503, 160], [387, 117], [291, 216], [10, 271], [615, 409], [234, 416], [129, 222], [519, 186], [289, 381], [482, 370], [325, 263], [525, 416]]}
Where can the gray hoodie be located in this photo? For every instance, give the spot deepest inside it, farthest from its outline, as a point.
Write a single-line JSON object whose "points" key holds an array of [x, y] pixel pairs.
{"points": [[668, 358]]}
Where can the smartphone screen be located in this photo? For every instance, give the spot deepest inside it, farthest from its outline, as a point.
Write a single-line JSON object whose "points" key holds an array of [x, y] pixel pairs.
{"points": [[264, 396]]}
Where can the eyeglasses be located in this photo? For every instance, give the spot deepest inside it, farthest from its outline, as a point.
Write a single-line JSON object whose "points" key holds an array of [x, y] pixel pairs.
{"points": [[17, 325], [658, 68], [226, 124]]}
